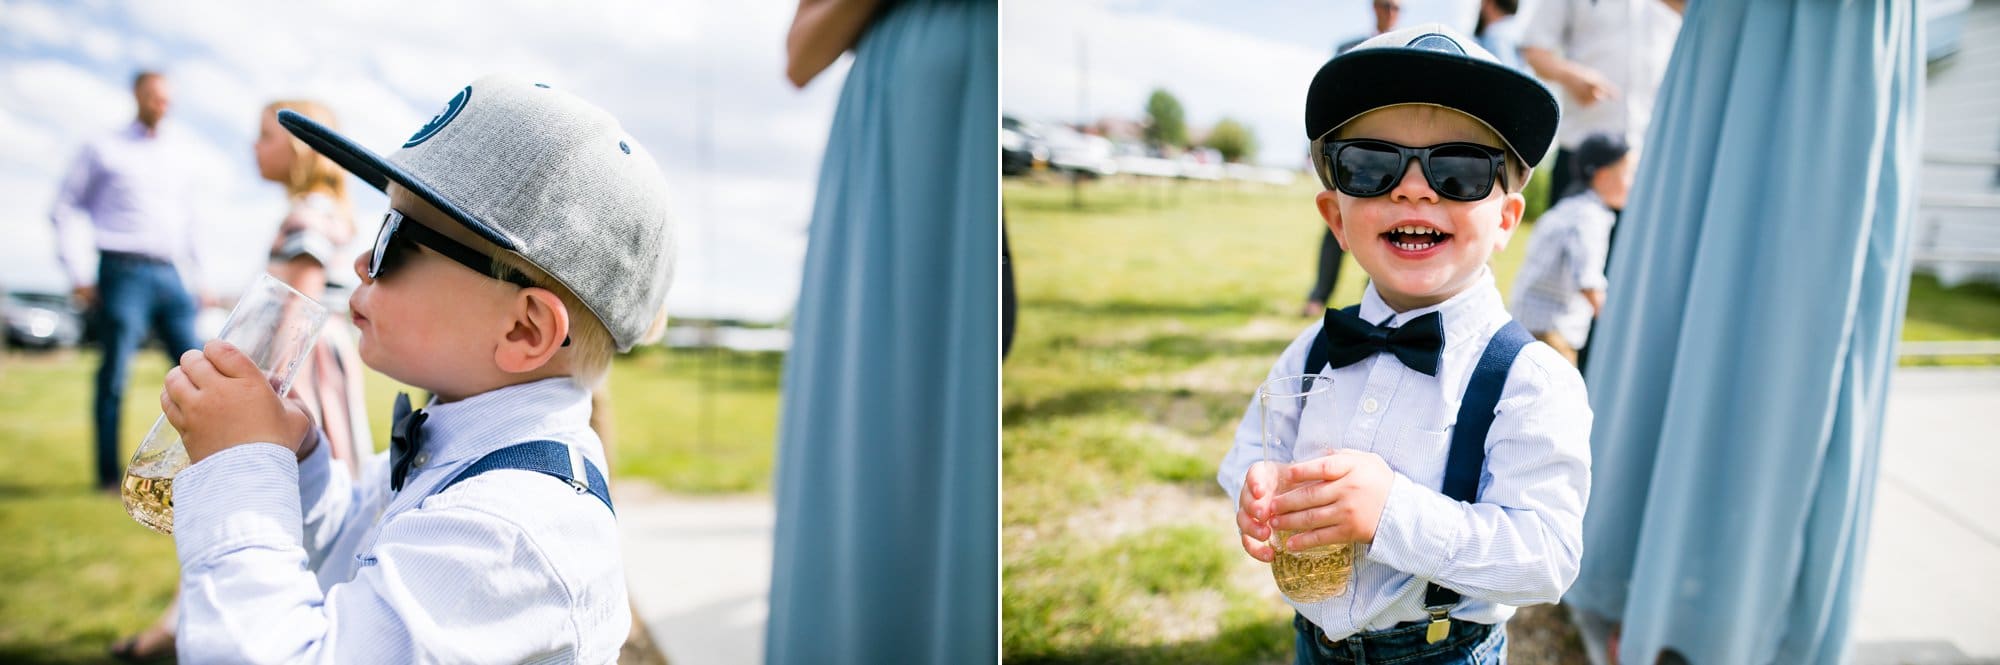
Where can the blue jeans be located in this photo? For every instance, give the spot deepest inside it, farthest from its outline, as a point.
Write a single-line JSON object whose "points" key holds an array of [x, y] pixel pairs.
{"points": [[134, 295], [1468, 642]]}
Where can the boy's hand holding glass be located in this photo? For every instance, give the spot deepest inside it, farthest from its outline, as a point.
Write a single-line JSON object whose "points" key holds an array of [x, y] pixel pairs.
{"points": [[1253, 509], [1337, 498], [217, 398]]}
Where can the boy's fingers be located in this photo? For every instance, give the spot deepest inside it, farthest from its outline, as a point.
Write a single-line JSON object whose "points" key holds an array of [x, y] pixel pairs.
{"points": [[1257, 549], [1314, 518], [1259, 482], [167, 406], [1330, 467], [1250, 525], [187, 365], [178, 385], [1315, 538], [1303, 497], [230, 360]]}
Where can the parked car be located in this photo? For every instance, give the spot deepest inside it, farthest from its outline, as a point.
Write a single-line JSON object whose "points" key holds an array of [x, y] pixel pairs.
{"points": [[41, 320], [1201, 164], [1137, 159], [1021, 146], [1077, 152]]}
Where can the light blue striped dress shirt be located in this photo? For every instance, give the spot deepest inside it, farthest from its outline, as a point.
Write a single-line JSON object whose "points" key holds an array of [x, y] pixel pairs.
{"points": [[130, 192], [1519, 545], [510, 566]]}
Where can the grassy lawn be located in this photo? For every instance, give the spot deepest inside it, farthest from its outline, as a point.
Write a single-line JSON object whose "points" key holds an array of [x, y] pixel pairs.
{"points": [[78, 572], [1146, 318]]}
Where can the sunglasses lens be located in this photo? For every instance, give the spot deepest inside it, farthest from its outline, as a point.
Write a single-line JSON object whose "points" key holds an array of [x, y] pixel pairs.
{"points": [[1367, 169], [1461, 172], [380, 261]]}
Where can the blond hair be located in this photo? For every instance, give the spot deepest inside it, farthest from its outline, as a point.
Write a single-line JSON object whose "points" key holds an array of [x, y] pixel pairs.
{"points": [[314, 173]]}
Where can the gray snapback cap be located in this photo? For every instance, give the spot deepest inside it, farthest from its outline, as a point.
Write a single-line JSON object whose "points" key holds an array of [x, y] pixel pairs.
{"points": [[541, 173]]}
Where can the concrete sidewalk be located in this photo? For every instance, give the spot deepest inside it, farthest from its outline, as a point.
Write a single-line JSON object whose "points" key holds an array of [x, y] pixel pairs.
{"points": [[699, 570], [1934, 542], [700, 567]]}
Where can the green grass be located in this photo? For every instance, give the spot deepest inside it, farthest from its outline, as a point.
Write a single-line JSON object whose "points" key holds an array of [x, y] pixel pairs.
{"points": [[77, 572], [1146, 316]]}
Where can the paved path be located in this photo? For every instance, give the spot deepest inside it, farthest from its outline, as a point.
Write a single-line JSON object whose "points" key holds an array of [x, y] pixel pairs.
{"points": [[699, 570], [700, 567], [1934, 544]]}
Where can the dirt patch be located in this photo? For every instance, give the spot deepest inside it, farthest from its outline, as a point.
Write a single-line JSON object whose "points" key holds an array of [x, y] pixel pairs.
{"points": [[1147, 507]]}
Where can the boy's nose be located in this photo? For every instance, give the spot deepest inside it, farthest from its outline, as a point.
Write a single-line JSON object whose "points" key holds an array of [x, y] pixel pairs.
{"points": [[1413, 186], [361, 266]]}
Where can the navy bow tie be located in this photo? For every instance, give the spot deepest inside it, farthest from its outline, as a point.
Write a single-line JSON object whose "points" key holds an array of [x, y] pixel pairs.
{"points": [[405, 439], [1417, 343]]}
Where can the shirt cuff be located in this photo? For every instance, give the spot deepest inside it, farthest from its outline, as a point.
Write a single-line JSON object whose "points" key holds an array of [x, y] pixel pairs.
{"points": [[1417, 530], [243, 496]]}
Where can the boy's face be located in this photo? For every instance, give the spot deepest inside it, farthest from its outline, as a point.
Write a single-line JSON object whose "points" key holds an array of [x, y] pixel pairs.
{"points": [[1469, 232], [431, 322], [1614, 182]]}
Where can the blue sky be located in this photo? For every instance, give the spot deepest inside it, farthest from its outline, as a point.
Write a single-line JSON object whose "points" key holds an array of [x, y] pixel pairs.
{"points": [[1245, 60], [700, 83]]}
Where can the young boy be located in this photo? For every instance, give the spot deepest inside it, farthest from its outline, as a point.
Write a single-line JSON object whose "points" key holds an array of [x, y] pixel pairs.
{"points": [[527, 238], [1559, 290], [1459, 453]]}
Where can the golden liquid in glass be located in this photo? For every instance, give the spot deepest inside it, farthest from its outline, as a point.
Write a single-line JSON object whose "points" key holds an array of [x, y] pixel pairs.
{"points": [[150, 500], [1312, 575]]}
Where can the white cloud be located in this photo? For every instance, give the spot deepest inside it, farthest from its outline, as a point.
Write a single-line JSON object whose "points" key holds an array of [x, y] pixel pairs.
{"points": [[688, 79]]}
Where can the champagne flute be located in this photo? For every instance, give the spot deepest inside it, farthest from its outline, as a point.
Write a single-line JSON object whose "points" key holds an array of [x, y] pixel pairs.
{"points": [[273, 324], [1318, 573]]}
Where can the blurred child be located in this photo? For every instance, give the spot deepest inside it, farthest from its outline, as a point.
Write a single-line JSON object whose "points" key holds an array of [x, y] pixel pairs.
{"points": [[1560, 289]]}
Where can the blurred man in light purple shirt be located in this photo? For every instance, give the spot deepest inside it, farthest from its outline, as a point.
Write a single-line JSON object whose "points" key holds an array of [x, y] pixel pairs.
{"points": [[128, 200]]}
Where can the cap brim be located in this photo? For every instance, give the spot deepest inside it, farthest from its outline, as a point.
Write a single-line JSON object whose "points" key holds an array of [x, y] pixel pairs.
{"points": [[1519, 108], [379, 172]]}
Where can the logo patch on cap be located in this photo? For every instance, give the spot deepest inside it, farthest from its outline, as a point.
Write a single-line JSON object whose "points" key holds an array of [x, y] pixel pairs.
{"points": [[443, 117], [1437, 42]]}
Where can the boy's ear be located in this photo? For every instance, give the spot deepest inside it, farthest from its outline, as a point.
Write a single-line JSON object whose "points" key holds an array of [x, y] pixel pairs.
{"points": [[541, 323], [1329, 209], [1511, 209]]}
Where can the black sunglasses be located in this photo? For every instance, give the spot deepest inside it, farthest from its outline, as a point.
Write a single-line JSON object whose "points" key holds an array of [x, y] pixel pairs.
{"points": [[396, 240], [1371, 167]]}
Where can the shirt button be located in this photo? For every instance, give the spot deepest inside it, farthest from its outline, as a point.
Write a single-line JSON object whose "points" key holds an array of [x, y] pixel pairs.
{"points": [[1370, 405], [426, 457]]}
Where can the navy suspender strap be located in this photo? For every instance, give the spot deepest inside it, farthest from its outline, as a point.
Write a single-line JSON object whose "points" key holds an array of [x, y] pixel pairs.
{"points": [[1468, 442], [548, 457]]}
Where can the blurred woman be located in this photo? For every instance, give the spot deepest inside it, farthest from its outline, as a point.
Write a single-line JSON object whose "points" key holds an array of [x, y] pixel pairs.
{"points": [[318, 221], [887, 482]]}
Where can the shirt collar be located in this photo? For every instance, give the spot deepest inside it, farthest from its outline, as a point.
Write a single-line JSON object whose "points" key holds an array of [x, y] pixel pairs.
{"points": [[1465, 315], [137, 131], [497, 418]]}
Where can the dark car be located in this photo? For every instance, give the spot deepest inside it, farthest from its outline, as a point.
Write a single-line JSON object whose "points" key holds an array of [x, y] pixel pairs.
{"points": [[41, 320], [1021, 147]]}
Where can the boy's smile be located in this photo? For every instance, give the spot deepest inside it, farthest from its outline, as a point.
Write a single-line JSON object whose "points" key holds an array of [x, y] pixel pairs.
{"points": [[1418, 247]]}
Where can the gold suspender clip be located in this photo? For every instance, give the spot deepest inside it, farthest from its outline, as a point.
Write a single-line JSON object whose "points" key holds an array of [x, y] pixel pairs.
{"points": [[1440, 625]]}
